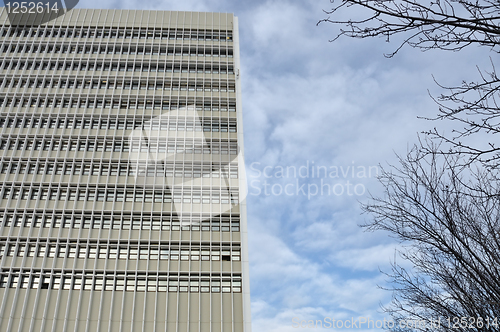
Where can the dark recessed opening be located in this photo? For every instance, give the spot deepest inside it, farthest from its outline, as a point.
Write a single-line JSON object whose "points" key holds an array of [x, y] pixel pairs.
{"points": [[226, 258]]}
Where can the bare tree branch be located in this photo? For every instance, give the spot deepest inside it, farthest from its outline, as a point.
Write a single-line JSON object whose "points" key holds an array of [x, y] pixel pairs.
{"points": [[444, 25], [447, 25]]}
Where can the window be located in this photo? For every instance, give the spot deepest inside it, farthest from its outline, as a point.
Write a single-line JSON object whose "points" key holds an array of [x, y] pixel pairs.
{"points": [[52, 251], [62, 252], [141, 285], [92, 252], [6, 193], [98, 284], [81, 252], [143, 253], [102, 252], [109, 283], [35, 282], [57, 282], [72, 252], [133, 253], [113, 252], [88, 283], [14, 281], [100, 195], [41, 251]]}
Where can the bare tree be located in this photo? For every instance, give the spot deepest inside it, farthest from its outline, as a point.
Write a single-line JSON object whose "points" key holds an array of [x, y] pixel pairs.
{"points": [[449, 223], [442, 25], [443, 200]]}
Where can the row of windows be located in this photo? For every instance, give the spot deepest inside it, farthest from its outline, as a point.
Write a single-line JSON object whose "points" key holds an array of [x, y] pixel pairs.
{"points": [[122, 169], [126, 84], [197, 67], [119, 281], [126, 251], [120, 33], [119, 145], [164, 124], [120, 195], [194, 50], [129, 103], [106, 220]]}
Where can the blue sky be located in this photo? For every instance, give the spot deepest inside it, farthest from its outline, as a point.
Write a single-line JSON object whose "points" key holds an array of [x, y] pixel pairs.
{"points": [[337, 105]]}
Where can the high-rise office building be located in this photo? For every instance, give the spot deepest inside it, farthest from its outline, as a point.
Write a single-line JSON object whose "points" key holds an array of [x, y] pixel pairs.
{"points": [[122, 179]]}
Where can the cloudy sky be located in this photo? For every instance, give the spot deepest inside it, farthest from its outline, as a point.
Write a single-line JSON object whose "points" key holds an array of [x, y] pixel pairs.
{"points": [[338, 106]]}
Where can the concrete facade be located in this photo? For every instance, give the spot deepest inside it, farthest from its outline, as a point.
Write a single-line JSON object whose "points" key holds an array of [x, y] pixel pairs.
{"points": [[122, 177]]}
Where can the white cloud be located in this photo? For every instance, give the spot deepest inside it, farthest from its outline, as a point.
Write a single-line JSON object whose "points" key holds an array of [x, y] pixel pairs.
{"points": [[371, 259]]}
